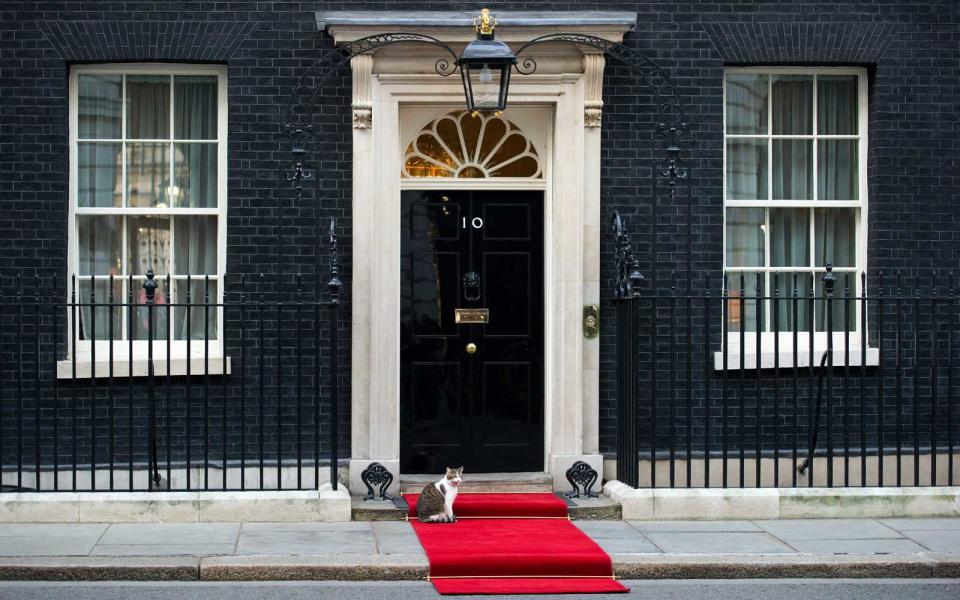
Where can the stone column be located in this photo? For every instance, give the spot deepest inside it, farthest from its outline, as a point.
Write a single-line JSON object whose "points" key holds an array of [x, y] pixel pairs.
{"points": [[371, 435]]}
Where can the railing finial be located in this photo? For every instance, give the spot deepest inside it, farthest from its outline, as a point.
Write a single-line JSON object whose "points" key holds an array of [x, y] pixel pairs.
{"points": [[150, 286]]}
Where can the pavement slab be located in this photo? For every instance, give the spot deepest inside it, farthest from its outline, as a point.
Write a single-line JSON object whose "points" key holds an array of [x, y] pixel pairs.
{"points": [[165, 534], [162, 549], [881, 546], [945, 540], [718, 543], [306, 542], [921, 524], [791, 530], [694, 526]]}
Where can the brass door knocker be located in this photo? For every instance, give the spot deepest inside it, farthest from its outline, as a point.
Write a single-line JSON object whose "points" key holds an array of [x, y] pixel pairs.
{"points": [[471, 286]]}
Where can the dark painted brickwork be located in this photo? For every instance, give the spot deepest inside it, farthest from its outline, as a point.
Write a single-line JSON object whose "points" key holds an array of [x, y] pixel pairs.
{"points": [[912, 50]]}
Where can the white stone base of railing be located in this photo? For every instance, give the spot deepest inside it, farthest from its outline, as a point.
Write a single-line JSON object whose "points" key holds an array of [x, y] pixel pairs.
{"points": [[324, 504], [784, 503]]}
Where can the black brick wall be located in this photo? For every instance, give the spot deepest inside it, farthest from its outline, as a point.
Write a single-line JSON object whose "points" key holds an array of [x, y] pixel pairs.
{"points": [[911, 49]]}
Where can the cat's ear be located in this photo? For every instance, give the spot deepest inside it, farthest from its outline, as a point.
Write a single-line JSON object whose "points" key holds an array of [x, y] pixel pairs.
{"points": [[460, 470]]}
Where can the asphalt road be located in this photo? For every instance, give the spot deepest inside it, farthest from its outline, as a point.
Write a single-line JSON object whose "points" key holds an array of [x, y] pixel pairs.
{"points": [[779, 589]]}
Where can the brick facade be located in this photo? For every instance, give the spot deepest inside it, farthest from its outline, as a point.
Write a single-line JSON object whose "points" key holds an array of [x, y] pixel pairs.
{"points": [[910, 48]]}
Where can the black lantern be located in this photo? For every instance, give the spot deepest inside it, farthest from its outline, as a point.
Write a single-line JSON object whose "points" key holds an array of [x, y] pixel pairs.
{"points": [[485, 66]]}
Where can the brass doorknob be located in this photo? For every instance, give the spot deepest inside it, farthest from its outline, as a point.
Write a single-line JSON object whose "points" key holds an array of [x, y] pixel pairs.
{"points": [[471, 348]]}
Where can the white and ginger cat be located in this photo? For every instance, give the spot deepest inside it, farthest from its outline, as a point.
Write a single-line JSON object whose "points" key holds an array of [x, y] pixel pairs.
{"points": [[435, 504]]}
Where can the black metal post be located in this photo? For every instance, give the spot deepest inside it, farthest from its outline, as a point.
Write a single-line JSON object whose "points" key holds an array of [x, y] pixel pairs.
{"points": [[626, 291], [334, 288], [150, 289]]}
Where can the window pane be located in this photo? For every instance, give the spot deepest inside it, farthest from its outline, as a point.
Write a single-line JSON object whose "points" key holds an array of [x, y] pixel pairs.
{"points": [[837, 105], [835, 236], [148, 245], [792, 104], [785, 307], [98, 175], [95, 317], [148, 106], [140, 315], [195, 107], [845, 283], [196, 245], [745, 237], [790, 237], [747, 104], [746, 169], [195, 176], [837, 170], [742, 302], [199, 314], [99, 242], [792, 169], [98, 110], [148, 175]]}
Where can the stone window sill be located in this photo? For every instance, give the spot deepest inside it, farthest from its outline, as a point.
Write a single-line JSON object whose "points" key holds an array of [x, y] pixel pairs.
{"points": [[125, 368], [766, 361]]}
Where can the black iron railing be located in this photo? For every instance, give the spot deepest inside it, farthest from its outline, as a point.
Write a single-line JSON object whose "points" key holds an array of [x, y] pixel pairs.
{"points": [[822, 378], [163, 383]]}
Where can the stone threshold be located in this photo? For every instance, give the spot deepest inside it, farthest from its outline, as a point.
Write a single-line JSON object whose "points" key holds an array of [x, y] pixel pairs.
{"points": [[783, 503], [413, 567], [324, 504], [581, 509]]}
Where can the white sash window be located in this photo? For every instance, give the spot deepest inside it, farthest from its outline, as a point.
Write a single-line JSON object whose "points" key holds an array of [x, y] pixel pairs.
{"points": [[147, 191], [795, 198]]}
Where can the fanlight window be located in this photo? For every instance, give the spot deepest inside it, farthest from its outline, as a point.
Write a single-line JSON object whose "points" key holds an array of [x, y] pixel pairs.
{"points": [[461, 145]]}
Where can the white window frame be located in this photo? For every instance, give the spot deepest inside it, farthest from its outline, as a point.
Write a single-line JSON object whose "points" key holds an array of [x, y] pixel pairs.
{"points": [[123, 360], [783, 341]]}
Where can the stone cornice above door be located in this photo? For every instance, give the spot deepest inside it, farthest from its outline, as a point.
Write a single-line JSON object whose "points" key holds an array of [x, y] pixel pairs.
{"points": [[457, 26]]}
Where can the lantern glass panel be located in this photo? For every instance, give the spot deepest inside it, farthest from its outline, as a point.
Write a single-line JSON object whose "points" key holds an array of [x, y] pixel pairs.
{"points": [[485, 81]]}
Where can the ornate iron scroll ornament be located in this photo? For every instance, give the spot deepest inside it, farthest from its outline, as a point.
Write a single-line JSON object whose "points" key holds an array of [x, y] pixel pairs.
{"points": [[672, 133], [581, 476], [310, 83], [471, 286], [376, 475], [334, 285], [628, 267]]}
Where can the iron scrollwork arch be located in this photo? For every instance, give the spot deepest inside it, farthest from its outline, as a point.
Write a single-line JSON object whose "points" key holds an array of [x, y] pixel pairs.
{"points": [[301, 108], [673, 133]]}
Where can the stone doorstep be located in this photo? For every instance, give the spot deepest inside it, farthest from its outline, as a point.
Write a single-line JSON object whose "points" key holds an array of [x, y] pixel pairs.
{"points": [[324, 504], [485, 483], [783, 503], [602, 508], [414, 567]]}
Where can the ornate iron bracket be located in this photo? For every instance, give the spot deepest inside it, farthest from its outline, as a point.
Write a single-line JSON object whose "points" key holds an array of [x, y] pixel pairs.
{"points": [[629, 277], [581, 476], [334, 285], [672, 134], [376, 475]]}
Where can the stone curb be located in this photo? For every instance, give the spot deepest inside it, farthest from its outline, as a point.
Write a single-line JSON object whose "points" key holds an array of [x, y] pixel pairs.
{"points": [[775, 566], [400, 567], [100, 568], [343, 567]]}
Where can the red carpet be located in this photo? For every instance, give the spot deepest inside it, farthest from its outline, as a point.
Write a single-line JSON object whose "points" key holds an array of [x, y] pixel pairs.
{"points": [[513, 544]]}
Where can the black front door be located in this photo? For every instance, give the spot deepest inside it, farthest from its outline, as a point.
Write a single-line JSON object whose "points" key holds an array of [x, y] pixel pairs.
{"points": [[471, 393]]}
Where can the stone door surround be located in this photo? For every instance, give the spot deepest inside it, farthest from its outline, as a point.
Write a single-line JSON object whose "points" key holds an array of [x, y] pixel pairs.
{"points": [[568, 83]]}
